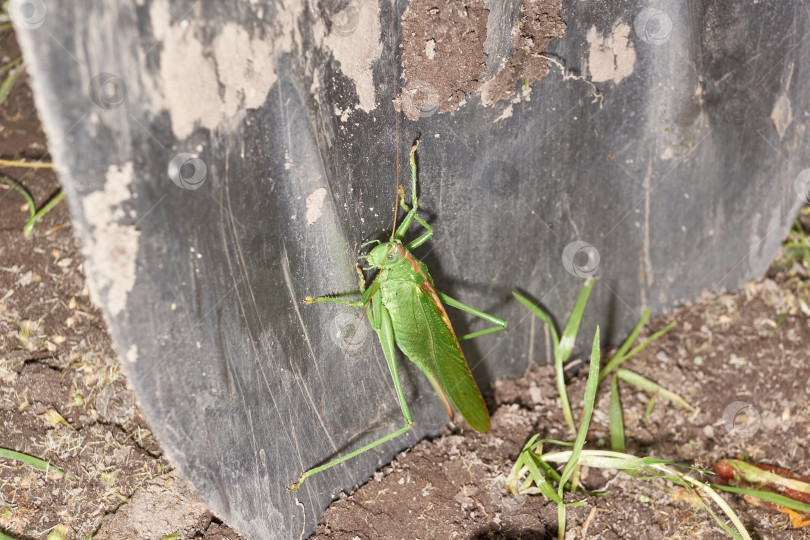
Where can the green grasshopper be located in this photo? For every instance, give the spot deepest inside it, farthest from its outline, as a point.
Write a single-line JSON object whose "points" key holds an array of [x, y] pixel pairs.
{"points": [[408, 310]]}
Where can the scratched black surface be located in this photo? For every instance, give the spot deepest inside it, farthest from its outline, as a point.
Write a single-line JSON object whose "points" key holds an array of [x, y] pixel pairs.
{"points": [[231, 368]]}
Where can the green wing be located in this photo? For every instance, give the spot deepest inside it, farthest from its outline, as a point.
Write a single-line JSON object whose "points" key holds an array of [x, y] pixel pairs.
{"points": [[423, 333]]}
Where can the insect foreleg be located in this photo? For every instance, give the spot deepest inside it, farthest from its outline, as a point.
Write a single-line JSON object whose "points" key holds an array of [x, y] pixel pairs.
{"points": [[386, 334], [361, 277], [425, 236], [338, 300], [333, 300], [499, 323]]}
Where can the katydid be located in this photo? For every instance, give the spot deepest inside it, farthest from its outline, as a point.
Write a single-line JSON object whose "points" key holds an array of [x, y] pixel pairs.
{"points": [[407, 310]]}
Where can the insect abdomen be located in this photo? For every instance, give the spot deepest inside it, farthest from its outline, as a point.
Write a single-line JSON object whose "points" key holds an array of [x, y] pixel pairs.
{"points": [[424, 335]]}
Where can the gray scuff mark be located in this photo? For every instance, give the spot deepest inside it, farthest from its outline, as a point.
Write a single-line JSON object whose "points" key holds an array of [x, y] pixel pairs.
{"points": [[285, 270], [112, 247], [648, 266], [356, 51], [566, 208], [612, 57], [243, 66], [314, 203], [782, 115]]}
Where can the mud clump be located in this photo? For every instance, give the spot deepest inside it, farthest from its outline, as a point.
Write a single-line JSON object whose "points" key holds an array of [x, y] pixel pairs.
{"points": [[445, 44]]}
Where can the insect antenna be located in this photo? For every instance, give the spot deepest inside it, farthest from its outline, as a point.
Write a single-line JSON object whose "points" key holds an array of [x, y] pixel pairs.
{"points": [[393, 230], [396, 113]]}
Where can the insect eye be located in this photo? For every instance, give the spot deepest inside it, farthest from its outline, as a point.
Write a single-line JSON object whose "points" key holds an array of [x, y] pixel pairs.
{"points": [[391, 256]]}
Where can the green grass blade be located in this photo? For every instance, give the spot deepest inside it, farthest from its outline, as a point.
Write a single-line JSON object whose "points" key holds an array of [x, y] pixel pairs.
{"points": [[29, 225], [543, 317], [734, 534], [587, 410], [566, 346], [12, 76], [569, 335], [554, 476], [6, 537], [780, 321], [32, 208], [558, 359], [647, 385], [555, 441], [561, 521], [535, 474], [651, 339], [548, 491], [618, 360], [621, 354], [649, 409], [719, 501], [649, 460], [531, 443], [568, 415], [11, 65], [30, 460], [616, 418], [532, 462], [768, 496]]}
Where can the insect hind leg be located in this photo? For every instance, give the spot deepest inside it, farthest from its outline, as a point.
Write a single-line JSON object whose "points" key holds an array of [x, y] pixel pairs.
{"points": [[387, 341], [499, 324]]}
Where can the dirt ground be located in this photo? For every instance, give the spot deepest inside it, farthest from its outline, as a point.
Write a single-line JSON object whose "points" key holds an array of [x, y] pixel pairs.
{"points": [[63, 398], [444, 56], [722, 351]]}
